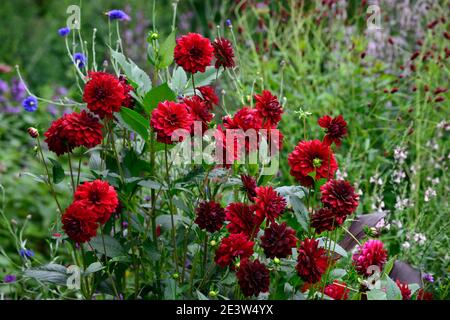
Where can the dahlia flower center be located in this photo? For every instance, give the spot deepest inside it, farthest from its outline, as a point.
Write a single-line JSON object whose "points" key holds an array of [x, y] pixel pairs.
{"points": [[195, 52], [94, 197], [317, 162]]}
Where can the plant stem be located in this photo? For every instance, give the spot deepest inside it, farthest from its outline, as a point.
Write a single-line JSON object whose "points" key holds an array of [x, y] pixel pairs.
{"points": [[172, 219], [71, 172], [205, 252]]}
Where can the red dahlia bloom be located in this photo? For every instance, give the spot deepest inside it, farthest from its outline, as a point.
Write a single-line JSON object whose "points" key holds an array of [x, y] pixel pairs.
{"points": [[210, 216], [422, 295], [193, 52], [79, 223], [223, 51], [235, 245], [253, 278], [309, 157], [73, 130], [249, 186], [337, 290], [404, 289], [340, 196], [269, 108], [371, 253], [209, 96], [199, 111], [326, 219], [169, 116], [311, 261], [269, 203], [278, 240], [98, 197], [128, 102], [244, 119], [335, 129], [229, 151], [104, 94], [242, 219]]}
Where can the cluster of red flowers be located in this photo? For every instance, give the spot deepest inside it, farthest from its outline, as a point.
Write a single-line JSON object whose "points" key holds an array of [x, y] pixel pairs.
{"points": [[194, 53], [104, 94], [94, 202]]}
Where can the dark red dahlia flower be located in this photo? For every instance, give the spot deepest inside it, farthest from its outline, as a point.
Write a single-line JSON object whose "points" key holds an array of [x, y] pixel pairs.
{"points": [[104, 94], [340, 196], [79, 223], [326, 219], [371, 253], [193, 52], [311, 157], [199, 111], [253, 278], [73, 130], [269, 108], [423, 295], [278, 240], [244, 119], [249, 186], [235, 245], [335, 129], [210, 216], [311, 261], [404, 289], [225, 153], [337, 290], [128, 102], [269, 203], [223, 51], [169, 116], [242, 219], [209, 96], [98, 197]]}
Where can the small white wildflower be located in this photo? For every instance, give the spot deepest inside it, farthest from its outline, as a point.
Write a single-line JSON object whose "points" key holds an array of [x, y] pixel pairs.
{"points": [[398, 176], [341, 175], [382, 224], [397, 223], [443, 125], [406, 245], [402, 204], [420, 238], [400, 154], [432, 145], [376, 180], [429, 193]]}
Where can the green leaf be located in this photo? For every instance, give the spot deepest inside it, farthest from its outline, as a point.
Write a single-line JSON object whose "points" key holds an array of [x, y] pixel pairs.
{"points": [[112, 246], [136, 122], [332, 246], [376, 294], [150, 184], [300, 211], [156, 95], [52, 273], [57, 171], [201, 296], [179, 80], [389, 265], [94, 267], [133, 73], [202, 79], [392, 290], [166, 51]]}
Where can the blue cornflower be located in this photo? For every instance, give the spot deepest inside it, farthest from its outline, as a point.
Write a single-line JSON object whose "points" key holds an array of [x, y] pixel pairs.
{"points": [[228, 23], [80, 59], [117, 15], [30, 104], [26, 253], [64, 31], [9, 278]]}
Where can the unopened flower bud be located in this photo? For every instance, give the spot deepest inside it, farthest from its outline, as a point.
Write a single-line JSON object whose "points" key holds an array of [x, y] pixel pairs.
{"points": [[33, 132], [213, 294], [212, 243], [276, 260], [175, 276], [29, 217], [14, 222], [154, 36]]}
